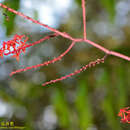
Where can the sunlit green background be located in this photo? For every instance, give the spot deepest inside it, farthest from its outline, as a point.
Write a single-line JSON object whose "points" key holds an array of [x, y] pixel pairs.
{"points": [[90, 100]]}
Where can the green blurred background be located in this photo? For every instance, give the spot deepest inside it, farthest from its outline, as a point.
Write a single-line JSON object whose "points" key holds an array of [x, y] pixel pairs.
{"points": [[90, 100]]}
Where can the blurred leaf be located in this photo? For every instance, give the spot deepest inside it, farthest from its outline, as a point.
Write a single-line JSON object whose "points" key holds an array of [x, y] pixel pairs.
{"points": [[121, 86], [102, 79], [110, 7], [83, 106], [109, 104], [35, 14], [110, 115], [78, 2], [61, 107], [123, 49], [10, 23]]}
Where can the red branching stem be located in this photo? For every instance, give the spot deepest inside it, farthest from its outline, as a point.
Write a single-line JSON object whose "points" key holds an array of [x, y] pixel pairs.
{"points": [[106, 50], [37, 22], [65, 35], [119, 55], [97, 46], [84, 18], [41, 40], [91, 64], [46, 62]]}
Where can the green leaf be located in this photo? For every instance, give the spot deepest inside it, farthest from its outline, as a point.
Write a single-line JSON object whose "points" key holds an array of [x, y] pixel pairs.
{"points": [[78, 2], [10, 23], [83, 106], [61, 108], [109, 5]]}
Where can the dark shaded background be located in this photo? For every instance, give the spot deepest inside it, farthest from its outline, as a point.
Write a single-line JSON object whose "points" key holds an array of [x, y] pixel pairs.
{"points": [[90, 100]]}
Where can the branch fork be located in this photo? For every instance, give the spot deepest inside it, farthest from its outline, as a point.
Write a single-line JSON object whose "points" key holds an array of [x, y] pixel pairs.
{"points": [[67, 36]]}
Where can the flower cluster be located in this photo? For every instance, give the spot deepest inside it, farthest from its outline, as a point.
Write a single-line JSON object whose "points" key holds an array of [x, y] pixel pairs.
{"points": [[14, 46], [125, 115]]}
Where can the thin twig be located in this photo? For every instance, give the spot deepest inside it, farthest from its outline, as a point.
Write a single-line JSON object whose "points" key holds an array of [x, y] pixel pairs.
{"points": [[37, 22], [46, 62], [91, 64], [84, 18]]}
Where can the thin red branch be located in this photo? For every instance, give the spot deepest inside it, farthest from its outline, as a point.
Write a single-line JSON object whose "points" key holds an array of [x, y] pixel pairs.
{"points": [[37, 22], [97, 46], [107, 51], [46, 62], [91, 64], [41, 40], [84, 18], [119, 55]]}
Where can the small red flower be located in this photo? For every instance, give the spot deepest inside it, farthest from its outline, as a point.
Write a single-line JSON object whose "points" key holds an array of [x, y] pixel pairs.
{"points": [[15, 46], [125, 115]]}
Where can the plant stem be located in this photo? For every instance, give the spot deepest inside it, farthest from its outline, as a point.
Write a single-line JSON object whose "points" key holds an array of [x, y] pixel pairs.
{"points": [[84, 18]]}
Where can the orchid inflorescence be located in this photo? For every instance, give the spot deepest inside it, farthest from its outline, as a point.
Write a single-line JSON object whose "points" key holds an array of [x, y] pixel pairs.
{"points": [[22, 45], [14, 47], [125, 115]]}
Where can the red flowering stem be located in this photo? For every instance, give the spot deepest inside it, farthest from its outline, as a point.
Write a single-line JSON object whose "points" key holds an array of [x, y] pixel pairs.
{"points": [[84, 18], [37, 22], [32, 44], [91, 64], [74, 40], [63, 34], [45, 63]]}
